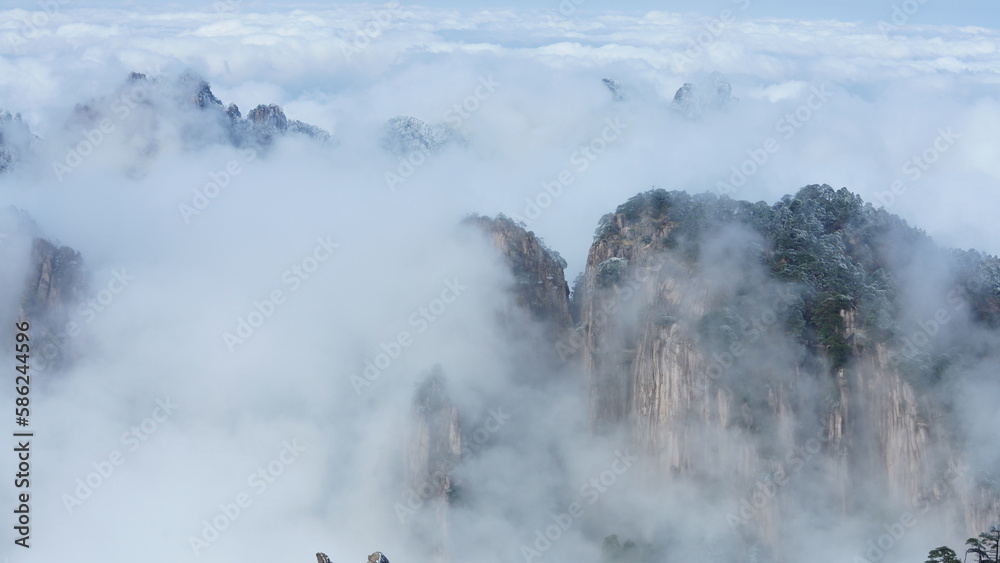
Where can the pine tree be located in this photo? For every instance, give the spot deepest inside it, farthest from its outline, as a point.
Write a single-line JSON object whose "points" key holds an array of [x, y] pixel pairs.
{"points": [[943, 554], [986, 547]]}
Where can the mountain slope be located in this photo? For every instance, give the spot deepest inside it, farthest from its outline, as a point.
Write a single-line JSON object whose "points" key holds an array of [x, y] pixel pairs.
{"points": [[724, 334]]}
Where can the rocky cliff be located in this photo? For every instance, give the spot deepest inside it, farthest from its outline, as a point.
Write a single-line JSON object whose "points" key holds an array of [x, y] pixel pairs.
{"points": [[539, 289], [739, 345], [434, 448], [724, 334], [434, 444], [55, 279], [264, 123], [697, 100], [55, 283], [16, 140], [260, 127], [376, 557], [47, 280]]}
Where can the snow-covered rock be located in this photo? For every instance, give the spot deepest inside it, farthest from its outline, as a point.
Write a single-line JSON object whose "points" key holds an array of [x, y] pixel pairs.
{"points": [[713, 95], [404, 134], [15, 139]]}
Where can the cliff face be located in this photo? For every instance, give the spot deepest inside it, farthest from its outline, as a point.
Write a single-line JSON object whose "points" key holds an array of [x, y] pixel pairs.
{"points": [[56, 282], [45, 282], [435, 438], [434, 443], [15, 140], [55, 279], [719, 366], [433, 449], [713, 95], [540, 289], [622, 281], [879, 416]]}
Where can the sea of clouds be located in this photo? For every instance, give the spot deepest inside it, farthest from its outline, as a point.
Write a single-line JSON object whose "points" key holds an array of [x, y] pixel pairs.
{"points": [[357, 242]]}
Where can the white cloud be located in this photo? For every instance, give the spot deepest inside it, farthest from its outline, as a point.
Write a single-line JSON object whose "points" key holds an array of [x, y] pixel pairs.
{"points": [[889, 97]]}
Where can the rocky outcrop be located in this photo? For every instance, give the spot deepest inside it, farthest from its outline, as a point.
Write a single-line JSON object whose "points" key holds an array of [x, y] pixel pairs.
{"points": [[55, 277], [54, 280], [980, 502], [194, 89], [16, 140], [434, 448], [740, 347], [268, 117], [615, 87], [701, 354], [48, 281], [435, 442], [377, 557], [697, 100], [264, 123], [403, 135], [540, 287], [140, 109], [55, 283], [879, 414], [614, 550]]}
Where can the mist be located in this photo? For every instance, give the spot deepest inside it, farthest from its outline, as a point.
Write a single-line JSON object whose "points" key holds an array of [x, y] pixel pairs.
{"points": [[257, 318]]}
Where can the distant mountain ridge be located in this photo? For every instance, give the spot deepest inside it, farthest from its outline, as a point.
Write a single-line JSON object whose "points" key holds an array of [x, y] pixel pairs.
{"points": [[141, 109]]}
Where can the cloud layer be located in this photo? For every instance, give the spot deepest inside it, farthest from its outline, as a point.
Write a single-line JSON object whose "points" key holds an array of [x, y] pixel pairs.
{"points": [[357, 241]]}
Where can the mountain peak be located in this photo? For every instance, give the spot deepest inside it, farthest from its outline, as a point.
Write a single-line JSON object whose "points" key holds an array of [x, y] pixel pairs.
{"points": [[712, 95]]}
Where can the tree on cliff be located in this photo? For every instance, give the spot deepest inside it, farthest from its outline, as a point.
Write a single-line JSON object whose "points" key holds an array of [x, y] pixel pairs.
{"points": [[943, 554], [986, 547]]}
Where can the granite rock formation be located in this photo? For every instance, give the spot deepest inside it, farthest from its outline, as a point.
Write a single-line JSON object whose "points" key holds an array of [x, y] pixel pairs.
{"points": [[696, 100], [16, 140], [720, 359], [434, 448], [53, 280], [403, 135], [540, 289]]}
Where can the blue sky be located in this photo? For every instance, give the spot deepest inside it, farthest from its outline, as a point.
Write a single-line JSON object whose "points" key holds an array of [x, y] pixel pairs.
{"points": [[954, 12], [984, 13]]}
